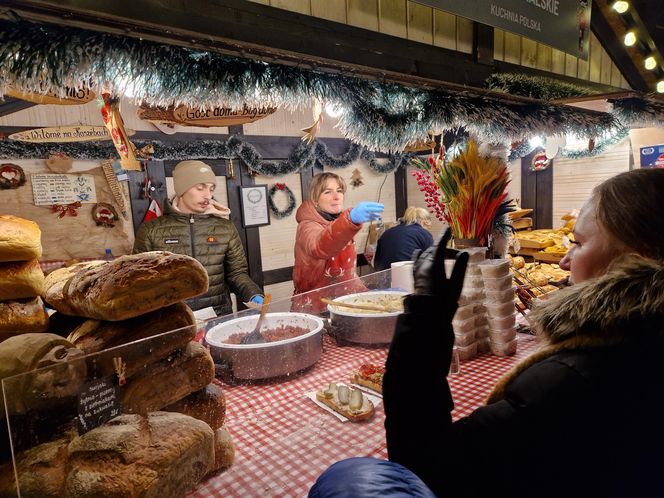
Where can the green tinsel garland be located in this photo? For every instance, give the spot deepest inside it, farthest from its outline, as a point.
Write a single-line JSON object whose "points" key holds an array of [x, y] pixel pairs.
{"points": [[536, 87], [302, 155], [639, 112], [380, 116]]}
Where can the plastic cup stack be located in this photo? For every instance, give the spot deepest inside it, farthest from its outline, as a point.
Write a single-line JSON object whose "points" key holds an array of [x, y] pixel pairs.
{"points": [[499, 304], [469, 323]]}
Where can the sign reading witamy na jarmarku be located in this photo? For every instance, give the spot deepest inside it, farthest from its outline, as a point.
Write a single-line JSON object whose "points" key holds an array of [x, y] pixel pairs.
{"points": [[74, 133]]}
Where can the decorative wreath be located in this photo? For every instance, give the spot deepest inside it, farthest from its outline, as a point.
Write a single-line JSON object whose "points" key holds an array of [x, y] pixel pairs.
{"points": [[281, 187]]}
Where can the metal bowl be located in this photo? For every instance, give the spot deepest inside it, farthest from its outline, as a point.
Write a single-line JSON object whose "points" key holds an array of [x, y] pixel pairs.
{"points": [[270, 359], [352, 325]]}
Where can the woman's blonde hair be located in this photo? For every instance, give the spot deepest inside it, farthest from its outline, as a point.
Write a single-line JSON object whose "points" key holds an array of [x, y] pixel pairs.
{"points": [[318, 183], [416, 215]]}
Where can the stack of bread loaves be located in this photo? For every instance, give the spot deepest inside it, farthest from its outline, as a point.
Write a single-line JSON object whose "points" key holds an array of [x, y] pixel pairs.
{"points": [[469, 322], [21, 278], [499, 304], [145, 451]]}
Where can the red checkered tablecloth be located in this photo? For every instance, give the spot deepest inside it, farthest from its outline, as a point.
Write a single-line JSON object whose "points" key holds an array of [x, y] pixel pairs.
{"points": [[284, 441]]}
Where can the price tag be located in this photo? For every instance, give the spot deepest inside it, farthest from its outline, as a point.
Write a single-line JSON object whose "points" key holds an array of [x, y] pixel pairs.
{"points": [[98, 402]]}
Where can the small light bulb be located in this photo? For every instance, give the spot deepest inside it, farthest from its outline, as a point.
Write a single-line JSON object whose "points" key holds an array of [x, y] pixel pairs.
{"points": [[334, 110], [535, 142], [630, 38], [660, 86], [620, 6], [650, 63]]}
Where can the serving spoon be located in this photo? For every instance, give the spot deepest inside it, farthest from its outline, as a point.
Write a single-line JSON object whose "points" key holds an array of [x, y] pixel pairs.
{"points": [[255, 336]]}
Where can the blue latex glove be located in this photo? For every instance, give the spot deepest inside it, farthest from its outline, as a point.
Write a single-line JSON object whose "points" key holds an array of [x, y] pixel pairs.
{"points": [[366, 211], [258, 299]]}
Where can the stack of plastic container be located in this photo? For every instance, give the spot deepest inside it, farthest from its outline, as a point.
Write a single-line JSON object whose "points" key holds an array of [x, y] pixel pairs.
{"points": [[467, 335], [499, 304]]}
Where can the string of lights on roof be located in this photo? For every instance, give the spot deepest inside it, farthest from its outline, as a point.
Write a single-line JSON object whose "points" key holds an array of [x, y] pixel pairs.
{"points": [[637, 36]]}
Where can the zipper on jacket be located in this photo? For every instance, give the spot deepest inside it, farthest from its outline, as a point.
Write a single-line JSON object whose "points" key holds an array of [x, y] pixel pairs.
{"points": [[191, 235]]}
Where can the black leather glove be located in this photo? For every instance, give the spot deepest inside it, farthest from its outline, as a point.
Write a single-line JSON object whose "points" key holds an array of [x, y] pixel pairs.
{"points": [[429, 271]]}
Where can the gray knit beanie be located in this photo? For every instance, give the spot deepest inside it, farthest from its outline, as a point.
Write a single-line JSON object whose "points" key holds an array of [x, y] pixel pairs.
{"points": [[189, 173]]}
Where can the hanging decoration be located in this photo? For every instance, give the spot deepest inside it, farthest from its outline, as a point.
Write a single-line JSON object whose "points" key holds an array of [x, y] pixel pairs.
{"points": [[110, 113], [114, 185], [356, 179], [311, 132], [290, 198], [104, 215], [63, 210], [59, 162], [379, 115], [537, 87], [11, 176], [540, 162], [154, 211]]}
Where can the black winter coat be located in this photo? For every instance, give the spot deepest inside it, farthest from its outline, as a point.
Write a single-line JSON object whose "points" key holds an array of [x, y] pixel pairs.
{"points": [[580, 417], [214, 242]]}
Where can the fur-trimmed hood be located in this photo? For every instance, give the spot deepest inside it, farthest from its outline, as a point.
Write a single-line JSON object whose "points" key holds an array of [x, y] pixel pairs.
{"points": [[625, 302]]}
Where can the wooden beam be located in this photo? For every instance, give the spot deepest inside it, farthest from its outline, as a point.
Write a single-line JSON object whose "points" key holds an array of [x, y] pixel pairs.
{"points": [[10, 105]]}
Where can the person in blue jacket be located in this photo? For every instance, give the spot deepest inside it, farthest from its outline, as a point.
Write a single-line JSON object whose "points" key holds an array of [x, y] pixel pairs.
{"points": [[400, 242]]}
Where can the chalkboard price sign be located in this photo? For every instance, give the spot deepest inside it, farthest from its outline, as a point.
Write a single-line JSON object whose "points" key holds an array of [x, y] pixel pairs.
{"points": [[98, 402]]}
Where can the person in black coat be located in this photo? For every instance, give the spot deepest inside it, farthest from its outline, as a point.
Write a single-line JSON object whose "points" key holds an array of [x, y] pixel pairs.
{"points": [[400, 242], [579, 417]]}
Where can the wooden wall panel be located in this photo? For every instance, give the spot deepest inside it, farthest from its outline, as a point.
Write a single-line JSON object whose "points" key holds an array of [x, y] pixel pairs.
{"points": [[264, 2], [420, 23], [363, 13], [584, 69], [573, 180], [557, 61], [289, 123], [464, 35], [605, 68], [514, 187], [512, 48], [528, 52], [280, 291], [544, 57], [616, 75], [571, 65], [393, 17], [299, 6], [444, 30], [498, 44], [332, 10], [595, 58]]}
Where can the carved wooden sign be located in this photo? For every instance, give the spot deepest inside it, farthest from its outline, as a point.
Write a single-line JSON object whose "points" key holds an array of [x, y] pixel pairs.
{"points": [[78, 133], [72, 96], [217, 116]]}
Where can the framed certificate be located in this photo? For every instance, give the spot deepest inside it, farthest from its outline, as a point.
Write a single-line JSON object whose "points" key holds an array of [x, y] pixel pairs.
{"points": [[255, 212]]}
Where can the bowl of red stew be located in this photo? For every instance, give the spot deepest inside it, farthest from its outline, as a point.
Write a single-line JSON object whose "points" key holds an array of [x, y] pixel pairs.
{"points": [[294, 342]]}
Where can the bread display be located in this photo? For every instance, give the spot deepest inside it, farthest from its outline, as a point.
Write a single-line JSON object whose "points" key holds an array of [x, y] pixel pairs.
{"points": [[159, 455], [351, 403], [21, 279], [169, 380], [22, 316], [224, 449], [20, 239], [125, 287], [208, 405]]}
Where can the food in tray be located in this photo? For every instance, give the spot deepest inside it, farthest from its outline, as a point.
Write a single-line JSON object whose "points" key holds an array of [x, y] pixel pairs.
{"points": [[275, 334], [389, 303], [351, 403], [371, 376]]}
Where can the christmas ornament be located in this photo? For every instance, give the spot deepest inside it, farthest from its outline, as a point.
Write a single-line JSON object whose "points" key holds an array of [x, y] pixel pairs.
{"points": [[539, 162], [271, 194], [66, 209], [154, 211], [104, 215], [110, 112], [11, 176], [356, 178], [591, 145], [59, 162], [311, 132]]}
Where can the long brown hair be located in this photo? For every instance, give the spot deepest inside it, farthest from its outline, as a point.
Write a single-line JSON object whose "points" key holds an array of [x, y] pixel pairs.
{"points": [[630, 207], [318, 183]]}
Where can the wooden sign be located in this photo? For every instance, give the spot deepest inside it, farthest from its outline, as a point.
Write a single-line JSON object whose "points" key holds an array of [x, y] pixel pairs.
{"points": [[73, 96], [218, 116], [420, 145], [79, 133]]}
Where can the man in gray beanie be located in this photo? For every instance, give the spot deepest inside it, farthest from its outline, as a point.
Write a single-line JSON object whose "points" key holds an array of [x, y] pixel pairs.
{"points": [[196, 225]]}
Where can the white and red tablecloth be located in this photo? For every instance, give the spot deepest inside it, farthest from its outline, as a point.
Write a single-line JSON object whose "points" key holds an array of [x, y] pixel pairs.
{"points": [[284, 441]]}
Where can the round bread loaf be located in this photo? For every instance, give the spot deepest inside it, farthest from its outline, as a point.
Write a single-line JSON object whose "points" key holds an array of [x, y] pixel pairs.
{"points": [[20, 239]]}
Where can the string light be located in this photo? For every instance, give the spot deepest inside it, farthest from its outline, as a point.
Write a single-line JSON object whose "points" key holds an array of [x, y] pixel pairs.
{"points": [[660, 86], [630, 38], [650, 63], [620, 6]]}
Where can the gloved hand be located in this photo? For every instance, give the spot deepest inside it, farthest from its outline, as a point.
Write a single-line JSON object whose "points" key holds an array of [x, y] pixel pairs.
{"points": [[429, 271], [366, 211], [258, 299]]}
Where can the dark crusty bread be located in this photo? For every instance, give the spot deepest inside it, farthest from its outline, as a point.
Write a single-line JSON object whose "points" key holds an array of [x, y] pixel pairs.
{"points": [[21, 279], [208, 405], [158, 455], [20, 239], [125, 287], [22, 316], [169, 380]]}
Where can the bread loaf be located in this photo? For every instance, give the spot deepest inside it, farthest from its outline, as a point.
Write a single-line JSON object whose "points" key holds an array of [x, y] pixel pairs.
{"points": [[161, 455], [22, 316], [21, 279], [208, 405], [169, 380], [224, 449], [125, 287], [20, 239]]}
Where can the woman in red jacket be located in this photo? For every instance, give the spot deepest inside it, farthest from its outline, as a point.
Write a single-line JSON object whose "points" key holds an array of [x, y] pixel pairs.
{"points": [[324, 243]]}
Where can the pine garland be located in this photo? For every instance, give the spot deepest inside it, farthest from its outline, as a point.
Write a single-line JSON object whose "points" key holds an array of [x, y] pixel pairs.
{"points": [[536, 87], [302, 155], [377, 115], [639, 112]]}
